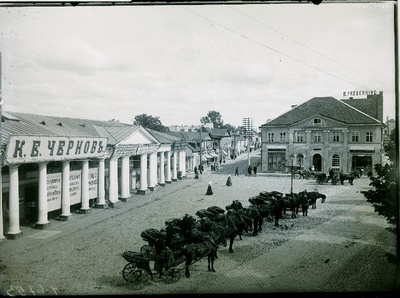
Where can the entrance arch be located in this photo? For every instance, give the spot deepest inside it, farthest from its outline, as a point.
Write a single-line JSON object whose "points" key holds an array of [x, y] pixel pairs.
{"points": [[317, 162]]}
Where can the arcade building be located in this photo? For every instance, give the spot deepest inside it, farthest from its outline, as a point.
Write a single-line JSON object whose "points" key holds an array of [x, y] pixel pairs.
{"points": [[55, 166]]}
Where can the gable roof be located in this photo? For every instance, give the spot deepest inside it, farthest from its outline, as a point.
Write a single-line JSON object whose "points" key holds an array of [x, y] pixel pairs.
{"points": [[164, 137], [324, 106], [218, 132]]}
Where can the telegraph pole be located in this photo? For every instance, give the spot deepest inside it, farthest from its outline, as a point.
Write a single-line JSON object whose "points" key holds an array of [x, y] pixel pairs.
{"points": [[248, 125]]}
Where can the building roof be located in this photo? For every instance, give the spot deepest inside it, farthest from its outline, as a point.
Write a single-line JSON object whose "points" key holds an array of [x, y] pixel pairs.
{"points": [[14, 123], [324, 106], [164, 137], [218, 132]]}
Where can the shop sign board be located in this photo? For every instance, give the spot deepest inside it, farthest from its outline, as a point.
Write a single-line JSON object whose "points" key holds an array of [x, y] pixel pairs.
{"points": [[92, 183], [25, 149], [54, 189]]}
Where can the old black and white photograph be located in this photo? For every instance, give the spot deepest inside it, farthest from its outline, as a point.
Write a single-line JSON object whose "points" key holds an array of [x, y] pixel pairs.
{"points": [[199, 147]]}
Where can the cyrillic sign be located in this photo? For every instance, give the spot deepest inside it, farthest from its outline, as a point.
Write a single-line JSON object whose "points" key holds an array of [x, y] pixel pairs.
{"points": [[23, 149], [359, 93]]}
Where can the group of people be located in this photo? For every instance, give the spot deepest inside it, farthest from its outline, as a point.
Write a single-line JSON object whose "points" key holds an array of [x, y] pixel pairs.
{"points": [[252, 170]]}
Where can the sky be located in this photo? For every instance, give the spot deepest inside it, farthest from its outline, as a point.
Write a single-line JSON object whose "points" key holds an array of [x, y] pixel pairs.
{"points": [[178, 62]]}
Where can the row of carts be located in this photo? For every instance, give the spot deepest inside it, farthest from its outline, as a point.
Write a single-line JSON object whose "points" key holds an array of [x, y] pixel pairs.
{"points": [[138, 270]]}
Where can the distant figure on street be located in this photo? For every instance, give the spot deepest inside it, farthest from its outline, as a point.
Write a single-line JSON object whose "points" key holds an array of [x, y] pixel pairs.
{"points": [[255, 169], [209, 189], [237, 171], [201, 168], [331, 174], [229, 181], [249, 170], [196, 173]]}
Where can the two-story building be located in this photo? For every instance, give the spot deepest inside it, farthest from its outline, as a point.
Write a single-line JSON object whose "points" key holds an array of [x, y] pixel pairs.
{"points": [[325, 133]]}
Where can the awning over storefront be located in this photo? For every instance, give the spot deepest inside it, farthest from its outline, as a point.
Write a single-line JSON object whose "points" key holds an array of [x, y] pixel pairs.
{"points": [[203, 158], [207, 155]]}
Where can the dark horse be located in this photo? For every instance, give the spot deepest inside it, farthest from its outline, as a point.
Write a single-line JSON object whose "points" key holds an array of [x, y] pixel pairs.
{"points": [[208, 247], [350, 177], [313, 196]]}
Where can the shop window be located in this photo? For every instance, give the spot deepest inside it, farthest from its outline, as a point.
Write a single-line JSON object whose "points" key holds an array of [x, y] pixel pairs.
{"points": [[335, 161]]}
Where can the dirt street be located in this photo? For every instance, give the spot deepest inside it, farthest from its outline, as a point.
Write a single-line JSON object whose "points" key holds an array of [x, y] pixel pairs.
{"points": [[339, 247]]}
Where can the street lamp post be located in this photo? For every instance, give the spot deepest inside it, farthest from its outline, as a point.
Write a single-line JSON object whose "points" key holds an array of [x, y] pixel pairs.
{"points": [[291, 173]]}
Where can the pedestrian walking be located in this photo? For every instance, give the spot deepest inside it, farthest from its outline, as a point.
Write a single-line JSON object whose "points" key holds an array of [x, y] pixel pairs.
{"points": [[255, 169], [237, 171], [209, 189], [229, 181], [249, 170]]}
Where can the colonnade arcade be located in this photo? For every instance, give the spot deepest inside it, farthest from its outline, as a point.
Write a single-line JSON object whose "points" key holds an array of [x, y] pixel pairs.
{"points": [[159, 164]]}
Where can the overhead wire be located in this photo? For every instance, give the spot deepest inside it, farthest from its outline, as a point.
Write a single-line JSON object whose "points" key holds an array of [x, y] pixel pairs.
{"points": [[300, 43], [275, 50]]}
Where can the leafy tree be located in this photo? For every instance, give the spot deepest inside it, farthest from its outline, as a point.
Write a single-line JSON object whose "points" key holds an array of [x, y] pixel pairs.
{"points": [[213, 117], [383, 196], [149, 121], [229, 127]]}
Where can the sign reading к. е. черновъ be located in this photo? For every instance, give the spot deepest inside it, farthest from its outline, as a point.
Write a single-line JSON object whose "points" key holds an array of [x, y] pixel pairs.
{"points": [[22, 149]]}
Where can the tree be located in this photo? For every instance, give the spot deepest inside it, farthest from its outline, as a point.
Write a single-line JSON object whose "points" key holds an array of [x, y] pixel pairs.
{"points": [[230, 128], [383, 196], [213, 117], [149, 121]]}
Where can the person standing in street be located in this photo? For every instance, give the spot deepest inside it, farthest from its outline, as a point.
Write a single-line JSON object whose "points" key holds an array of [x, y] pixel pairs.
{"points": [[249, 170], [255, 169], [237, 171], [209, 189], [229, 181]]}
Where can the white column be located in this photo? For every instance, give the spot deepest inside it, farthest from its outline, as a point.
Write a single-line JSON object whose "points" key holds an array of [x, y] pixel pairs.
{"points": [[43, 217], [153, 170], [174, 161], [113, 191], [183, 163], [101, 190], [143, 174], [168, 178], [162, 174], [85, 208], [65, 195], [14, 229], [125, 193]]}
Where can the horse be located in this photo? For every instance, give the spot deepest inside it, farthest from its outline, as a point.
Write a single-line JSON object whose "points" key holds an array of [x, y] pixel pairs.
{"points": [[208, 247], [291, 202], [313, 196], [350, 177]]}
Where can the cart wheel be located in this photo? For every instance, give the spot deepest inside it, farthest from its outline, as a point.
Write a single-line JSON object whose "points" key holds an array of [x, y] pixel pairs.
{"points": [[148, 252], [172, 275], [140, 277], [128, 270]]}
